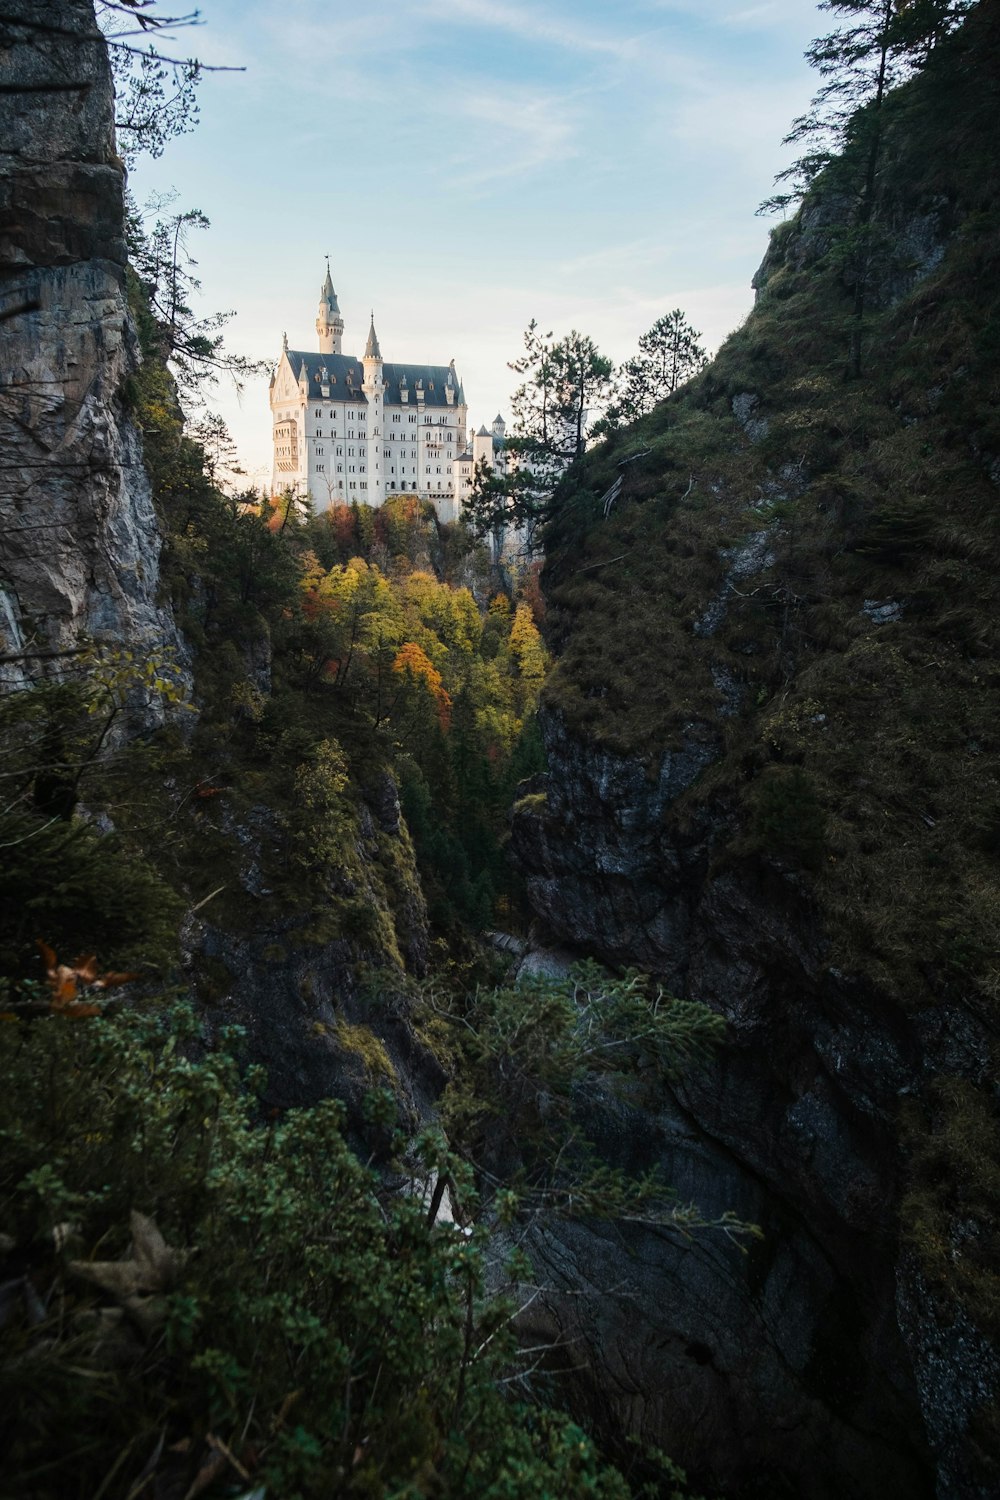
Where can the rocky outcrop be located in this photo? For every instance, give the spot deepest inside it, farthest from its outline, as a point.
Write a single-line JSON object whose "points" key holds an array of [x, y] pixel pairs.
{"points": [[804, 1366], [79, 547]]}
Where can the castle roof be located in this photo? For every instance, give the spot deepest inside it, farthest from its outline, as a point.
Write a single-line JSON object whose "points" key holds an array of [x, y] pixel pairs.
{"points": [[433, 380], [347, 377], [346, 373]]}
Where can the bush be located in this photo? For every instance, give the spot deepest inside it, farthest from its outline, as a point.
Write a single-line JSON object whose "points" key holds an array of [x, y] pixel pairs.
{"points": [[192, 1291]]}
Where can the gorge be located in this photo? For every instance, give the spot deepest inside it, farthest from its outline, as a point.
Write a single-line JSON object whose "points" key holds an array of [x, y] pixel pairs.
{"points": [[770, 782]]}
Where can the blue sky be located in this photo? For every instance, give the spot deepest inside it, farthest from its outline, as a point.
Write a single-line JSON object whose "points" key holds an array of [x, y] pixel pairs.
{"points": [[472, 164]]}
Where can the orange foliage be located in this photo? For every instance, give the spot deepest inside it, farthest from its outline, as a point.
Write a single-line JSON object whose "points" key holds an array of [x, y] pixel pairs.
{"points": [[66, 980], [413, 659]]}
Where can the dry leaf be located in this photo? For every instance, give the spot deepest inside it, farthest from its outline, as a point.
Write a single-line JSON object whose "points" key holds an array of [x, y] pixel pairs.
{"points": [[138, 1281], [66, 979]]}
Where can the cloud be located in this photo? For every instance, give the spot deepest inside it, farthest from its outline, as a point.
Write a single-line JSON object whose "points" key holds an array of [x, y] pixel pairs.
{"points": [[515, 132], [535, 26]]}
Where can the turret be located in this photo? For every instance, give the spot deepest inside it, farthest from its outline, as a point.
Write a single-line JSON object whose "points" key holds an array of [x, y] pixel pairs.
{"points": [[329, 323], [372, 360], [372, 350]]}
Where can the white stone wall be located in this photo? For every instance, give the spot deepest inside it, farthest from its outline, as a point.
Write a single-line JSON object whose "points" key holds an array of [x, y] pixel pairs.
{"points": [[335, 450]]}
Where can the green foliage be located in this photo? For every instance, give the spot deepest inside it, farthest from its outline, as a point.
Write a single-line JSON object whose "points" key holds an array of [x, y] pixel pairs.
{"points": [[880, 44], [63, 878], [522, 1059], [279, 1312], [669, 354]]}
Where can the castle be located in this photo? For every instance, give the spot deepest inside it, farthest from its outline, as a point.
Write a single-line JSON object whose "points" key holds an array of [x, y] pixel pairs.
{"points": [[361, 430]]}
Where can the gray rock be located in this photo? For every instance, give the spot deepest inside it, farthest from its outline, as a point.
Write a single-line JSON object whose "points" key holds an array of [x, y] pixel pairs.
{"points": [[79, 546], [785, 1368]]}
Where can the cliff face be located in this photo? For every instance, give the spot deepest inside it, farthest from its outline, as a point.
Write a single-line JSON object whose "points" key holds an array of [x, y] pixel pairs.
{"points": [[80, 550], [79, 547], [772, 772], [820, 1362]]}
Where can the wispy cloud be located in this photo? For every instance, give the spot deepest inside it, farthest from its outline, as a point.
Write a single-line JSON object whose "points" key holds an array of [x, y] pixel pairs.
{"points": [[514, 132], [617, 257], [565, 33]]}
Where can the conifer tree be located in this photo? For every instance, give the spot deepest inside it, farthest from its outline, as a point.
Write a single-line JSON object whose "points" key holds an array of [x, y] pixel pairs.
{"points": [[882, 42], [669, 354]]}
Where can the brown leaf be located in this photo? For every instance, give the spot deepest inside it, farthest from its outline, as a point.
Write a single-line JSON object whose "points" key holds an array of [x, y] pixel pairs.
{"points": [[111, 981]]}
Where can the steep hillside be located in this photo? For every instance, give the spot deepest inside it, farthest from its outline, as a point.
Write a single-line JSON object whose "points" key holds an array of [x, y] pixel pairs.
{"points": [[772, 739]]}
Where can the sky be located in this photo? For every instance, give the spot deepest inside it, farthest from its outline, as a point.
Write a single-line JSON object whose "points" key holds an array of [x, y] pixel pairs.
{"points": [[469, 165]]}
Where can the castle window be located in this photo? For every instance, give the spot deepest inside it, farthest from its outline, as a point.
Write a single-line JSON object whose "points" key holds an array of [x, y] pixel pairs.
{"points": [[340, 468], [318, 412], [396, 417], [319, 450], [340, 452], [364, 484], [320, 468]]}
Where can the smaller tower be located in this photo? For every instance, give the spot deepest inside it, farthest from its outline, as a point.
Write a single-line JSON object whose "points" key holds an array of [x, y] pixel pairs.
{"points": [[372, 350], [373, 389], [329, 323]]}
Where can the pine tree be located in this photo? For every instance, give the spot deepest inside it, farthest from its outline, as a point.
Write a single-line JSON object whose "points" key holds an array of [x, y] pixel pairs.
{"points": [[669, 354], [883, 42]]}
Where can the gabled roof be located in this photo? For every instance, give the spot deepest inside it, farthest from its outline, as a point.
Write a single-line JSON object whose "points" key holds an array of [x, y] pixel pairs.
{"points": [[346, 373], [434, 378], [347, 377]]}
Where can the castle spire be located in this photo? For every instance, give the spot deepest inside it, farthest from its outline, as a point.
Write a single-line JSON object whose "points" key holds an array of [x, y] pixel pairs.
{"points": [[372, 350], [329, 323]]}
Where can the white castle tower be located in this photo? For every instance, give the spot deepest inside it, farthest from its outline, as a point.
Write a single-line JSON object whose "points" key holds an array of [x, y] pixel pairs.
{"points": [[359, 430], [329, 323]]}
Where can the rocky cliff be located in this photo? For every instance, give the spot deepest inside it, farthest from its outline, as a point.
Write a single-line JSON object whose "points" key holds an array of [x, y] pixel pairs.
{"points": [[79, 547], [772, 780]]}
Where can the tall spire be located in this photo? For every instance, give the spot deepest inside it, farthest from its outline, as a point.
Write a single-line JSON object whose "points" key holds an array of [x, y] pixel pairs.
{"points": [[327, 294], [329, 323], [372, 350]]}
